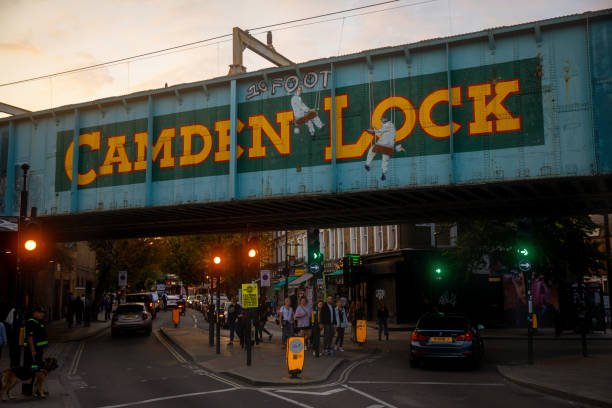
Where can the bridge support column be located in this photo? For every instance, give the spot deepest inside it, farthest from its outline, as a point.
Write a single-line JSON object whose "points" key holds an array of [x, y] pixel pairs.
{"points": [[74, 185], [149, 172], [9, 194], [233, 136]]}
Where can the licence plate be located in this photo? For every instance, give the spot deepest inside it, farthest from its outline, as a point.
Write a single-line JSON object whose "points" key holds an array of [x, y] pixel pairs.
{"points": [[130, 316], [441, 339]]}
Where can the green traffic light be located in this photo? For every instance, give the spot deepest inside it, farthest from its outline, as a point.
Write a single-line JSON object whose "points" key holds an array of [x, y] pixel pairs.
{"points": [[438, 271], [523, 251]]}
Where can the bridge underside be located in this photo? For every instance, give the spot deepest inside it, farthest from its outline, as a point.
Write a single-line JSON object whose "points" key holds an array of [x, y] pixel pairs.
{"points": [[534, 198]]}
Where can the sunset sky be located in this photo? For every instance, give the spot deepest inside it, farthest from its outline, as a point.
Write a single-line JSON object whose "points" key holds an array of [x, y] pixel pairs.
{"points": [[39, 37]]}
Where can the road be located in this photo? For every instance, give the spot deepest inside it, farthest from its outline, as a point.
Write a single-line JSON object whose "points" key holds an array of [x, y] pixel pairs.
{"points": [[146, 371]]}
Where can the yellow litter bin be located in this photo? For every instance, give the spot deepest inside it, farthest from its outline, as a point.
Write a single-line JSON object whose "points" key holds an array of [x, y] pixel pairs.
{"points": [[361, 331], [295, 355]]}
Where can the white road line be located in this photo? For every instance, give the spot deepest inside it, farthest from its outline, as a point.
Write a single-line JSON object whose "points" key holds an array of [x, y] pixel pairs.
{"points": [[299, 404], [77, 358], [373, 398], [429, 383], [324, 393], [191, 394]]}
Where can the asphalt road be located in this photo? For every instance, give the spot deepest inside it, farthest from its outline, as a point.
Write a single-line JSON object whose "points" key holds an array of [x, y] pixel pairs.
{"points": [[145, 371]]}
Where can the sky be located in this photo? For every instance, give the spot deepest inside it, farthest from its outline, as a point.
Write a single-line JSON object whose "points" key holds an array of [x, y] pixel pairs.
{"points": [[41, 37]]}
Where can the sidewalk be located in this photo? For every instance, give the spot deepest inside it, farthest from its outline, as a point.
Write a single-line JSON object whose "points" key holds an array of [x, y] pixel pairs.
{"points": [[59, 332], [585, 380], [268, 359], [545, 333]]}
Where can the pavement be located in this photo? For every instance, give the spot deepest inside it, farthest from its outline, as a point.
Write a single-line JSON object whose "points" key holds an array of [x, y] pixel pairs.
{"points": [[268, 364]]}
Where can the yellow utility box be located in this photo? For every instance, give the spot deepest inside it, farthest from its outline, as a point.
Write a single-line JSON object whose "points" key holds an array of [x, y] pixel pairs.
{"points": [[295, 355], [361, 331]]}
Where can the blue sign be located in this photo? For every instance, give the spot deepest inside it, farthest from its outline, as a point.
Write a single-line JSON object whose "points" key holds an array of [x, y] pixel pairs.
{"points": [[315, 267], [524, 265]]}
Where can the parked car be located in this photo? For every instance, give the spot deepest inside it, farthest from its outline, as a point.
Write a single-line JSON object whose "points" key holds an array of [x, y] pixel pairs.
{"points": [[129, 317], [146, 298], [446, 336]]}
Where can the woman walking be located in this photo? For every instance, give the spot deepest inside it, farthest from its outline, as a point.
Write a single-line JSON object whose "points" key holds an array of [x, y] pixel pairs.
{"points": [[302, 316]]}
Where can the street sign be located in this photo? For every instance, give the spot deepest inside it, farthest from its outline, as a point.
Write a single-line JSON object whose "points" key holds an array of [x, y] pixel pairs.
{"points": [[524, 265], [380, 294], [264, 278], [298, 271], [249, 295], [315, 267], [161, 287], [122, 279]]}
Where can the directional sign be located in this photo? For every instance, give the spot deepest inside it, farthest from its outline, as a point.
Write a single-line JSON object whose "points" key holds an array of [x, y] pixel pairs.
{"points": [[249, 295], [122, 279], [524, 265], [315, 267]]}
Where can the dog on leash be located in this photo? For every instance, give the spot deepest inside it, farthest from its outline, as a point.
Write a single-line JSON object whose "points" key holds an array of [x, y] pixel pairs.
{"points": [[12, 376]]}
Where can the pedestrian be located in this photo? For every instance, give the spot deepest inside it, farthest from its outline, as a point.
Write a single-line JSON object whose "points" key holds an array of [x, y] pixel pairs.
{"points": [[233, 312], [70, 304], [264, 312], [341, 320], [302, 317], [86, 311], [383, 316], [78, 310], [316, 329], [328, 321], [108, 308], [35, 339], [3, 338], [286, 319]]}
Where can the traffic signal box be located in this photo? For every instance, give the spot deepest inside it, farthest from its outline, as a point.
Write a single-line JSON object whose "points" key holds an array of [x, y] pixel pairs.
{"points": [[351, 265], [314, 247], [251, 254], [31, 242]]}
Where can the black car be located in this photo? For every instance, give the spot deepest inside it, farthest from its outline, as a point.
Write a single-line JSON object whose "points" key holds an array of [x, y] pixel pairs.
{"points": [[446, 336]]}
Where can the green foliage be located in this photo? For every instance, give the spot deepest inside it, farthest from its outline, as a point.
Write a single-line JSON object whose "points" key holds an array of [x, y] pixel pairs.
{"points": [[558, 248]]}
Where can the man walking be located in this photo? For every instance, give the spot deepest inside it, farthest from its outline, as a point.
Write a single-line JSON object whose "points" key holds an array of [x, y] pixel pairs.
{"points": [[232, 316], [328, 320], [383, 316], [316, 329], [286, 320], [35, 339], [341, 322]]}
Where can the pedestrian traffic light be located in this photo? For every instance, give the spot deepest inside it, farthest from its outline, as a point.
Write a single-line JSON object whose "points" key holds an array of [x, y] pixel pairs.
{"points": [[314, 246], [438, 272]]}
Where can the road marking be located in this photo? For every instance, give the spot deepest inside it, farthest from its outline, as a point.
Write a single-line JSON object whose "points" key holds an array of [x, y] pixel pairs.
{"points": [[191, 394], [299, 404], [429, 383], [325, 393], [77, 358], [365, 394], [171, 349]]}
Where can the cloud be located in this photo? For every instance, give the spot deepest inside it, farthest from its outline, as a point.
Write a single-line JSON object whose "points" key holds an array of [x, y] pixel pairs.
{"points": [[21, 46]]}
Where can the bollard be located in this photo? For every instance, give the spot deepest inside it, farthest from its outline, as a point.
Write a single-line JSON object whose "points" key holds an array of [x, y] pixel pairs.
{"points": [[295, 356]]}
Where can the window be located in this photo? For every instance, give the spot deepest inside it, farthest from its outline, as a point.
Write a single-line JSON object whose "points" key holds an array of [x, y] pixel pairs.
{"points": [[332, 244], [353, 237], [378, 239], [340, 241], [322, 241], [300, 253], [392, 237], [363, 233]]}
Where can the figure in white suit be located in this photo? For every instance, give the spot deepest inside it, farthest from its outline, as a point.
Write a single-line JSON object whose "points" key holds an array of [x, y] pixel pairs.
{"points": [[300, 110], [385, 146]]}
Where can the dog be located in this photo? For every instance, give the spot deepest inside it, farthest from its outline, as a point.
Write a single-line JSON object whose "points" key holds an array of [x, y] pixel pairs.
{"points": [[12, 376]]}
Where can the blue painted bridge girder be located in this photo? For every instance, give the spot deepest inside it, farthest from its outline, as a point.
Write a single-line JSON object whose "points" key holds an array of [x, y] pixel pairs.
{"points": [[514, 120]]}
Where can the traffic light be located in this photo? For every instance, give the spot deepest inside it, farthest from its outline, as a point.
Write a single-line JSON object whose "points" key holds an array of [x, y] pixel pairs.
{"points": [[216, 258], [31, 239], [524, 243], [314, 246], [438, 272], [251, 252]]}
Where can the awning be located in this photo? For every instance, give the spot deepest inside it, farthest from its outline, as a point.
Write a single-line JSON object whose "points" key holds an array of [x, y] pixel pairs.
{"points": [[282, 282], [338, 272], [301, 279]]}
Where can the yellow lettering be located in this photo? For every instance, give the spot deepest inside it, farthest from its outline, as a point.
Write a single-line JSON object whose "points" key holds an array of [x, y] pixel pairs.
{"points": [[187, 132], [164, 143], [140, 138], [282, 143], [401, 103], [222, 127], [427, 123], [87, 139], [344, 150], [504, 121], [116, 154]]}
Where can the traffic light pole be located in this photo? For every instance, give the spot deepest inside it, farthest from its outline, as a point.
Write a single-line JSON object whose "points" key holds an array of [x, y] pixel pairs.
{"points": [[217, 313], [23, 213], [529, 318]]}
